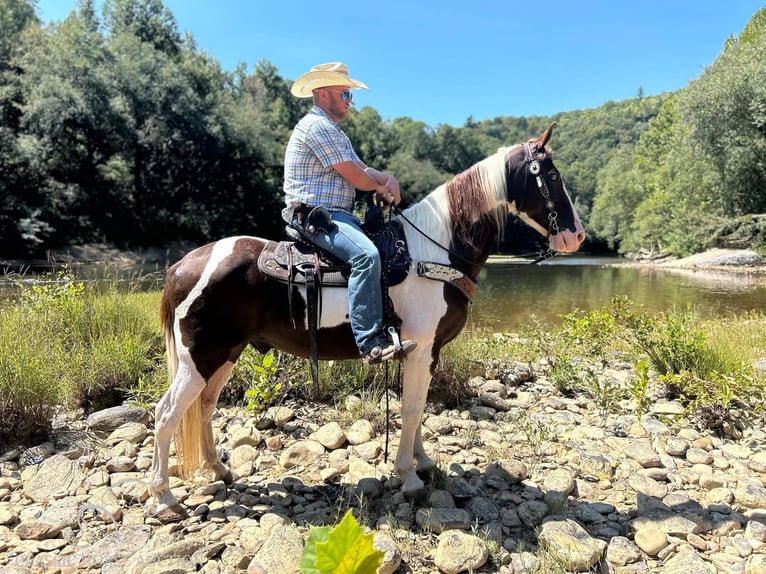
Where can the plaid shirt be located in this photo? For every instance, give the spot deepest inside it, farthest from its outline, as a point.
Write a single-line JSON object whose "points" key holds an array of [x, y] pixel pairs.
{"points": [[316, 144]]}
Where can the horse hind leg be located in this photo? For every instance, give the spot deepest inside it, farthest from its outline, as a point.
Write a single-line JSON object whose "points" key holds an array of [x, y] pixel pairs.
{"points": [[209, 399], [183, 392]]}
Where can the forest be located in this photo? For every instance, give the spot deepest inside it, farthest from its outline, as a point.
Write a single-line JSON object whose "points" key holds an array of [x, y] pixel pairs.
{"points": [[116, 128]]}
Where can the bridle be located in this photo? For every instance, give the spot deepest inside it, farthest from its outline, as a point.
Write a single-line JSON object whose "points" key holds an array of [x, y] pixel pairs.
{"points": [[533, 168]]}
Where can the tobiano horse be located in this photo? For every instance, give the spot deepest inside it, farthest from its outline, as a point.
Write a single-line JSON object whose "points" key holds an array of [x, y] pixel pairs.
{"points": [[216, 302]]}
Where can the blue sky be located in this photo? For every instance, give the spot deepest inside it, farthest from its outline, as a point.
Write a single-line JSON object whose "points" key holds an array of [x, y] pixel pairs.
{"points": [[443, 61]]}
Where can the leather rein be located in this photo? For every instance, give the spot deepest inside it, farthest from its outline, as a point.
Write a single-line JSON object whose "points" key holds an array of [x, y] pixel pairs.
{"points": [[533, 168]]}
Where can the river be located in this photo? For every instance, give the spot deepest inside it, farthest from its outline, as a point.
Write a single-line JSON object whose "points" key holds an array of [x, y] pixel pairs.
{"points": [[509, 296]]}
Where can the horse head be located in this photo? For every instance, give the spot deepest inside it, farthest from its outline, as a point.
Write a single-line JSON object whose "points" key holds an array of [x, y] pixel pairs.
{"points": [[538, 194]]}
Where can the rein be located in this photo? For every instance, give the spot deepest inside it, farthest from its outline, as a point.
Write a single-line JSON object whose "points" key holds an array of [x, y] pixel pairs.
{"points": [[539, 255], [533, 168]]}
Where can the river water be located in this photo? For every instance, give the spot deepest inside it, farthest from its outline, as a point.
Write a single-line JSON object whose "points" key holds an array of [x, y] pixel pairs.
{"points": [[509, 296]]}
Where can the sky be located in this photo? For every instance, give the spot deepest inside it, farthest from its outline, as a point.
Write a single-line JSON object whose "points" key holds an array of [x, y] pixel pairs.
{"points": [[442, 62]]}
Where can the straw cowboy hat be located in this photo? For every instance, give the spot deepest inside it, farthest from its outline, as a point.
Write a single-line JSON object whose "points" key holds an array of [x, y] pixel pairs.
{"points": [[323, 76]]}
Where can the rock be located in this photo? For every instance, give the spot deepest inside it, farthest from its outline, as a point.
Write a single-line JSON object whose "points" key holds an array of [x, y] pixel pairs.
{"points": [[114, 417], [510, 471], [360, 432], [457, 551], [132, 432], [622, 551], [570, 544], [442, 519], [55, 476], [651, 540], [750, 494], [664, 497], [642, 452], [558, 485], [686, 562], [331, 436], [301, 453], [392, 557], [280, 554]]}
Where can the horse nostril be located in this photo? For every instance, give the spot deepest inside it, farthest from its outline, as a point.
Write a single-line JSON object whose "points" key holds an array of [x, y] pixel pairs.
{"points": [[580, 237]]}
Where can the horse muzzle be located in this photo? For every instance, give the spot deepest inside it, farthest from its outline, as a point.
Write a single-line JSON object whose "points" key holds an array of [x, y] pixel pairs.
{"points": [[567, 241]]}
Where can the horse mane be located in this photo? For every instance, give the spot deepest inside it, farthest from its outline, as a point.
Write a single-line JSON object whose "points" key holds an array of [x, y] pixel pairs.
{"points": [[452, 212]]}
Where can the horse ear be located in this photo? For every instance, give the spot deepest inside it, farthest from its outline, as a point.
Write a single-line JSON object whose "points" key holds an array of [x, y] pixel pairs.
{"points": [[542, 141]]}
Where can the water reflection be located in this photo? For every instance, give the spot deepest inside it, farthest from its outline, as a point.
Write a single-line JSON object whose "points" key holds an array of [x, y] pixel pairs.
{"points": [[509, 297]]}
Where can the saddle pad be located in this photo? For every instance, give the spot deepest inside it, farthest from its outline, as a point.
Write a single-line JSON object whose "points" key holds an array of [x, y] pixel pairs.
{"points": [[275, 261]]}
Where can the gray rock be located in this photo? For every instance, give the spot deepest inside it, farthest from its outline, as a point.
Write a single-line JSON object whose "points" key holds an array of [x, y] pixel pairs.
{"points": [[750, 494], [392, 557], [621, 551], [642, 452], [133, 432], [280, 554], [667, 522], [359, 432], [55, 476], [441, 519], [510, 471], [532, 512], [301, 453], [114, 417], [571, 544], [457, 551], [331, 435]]}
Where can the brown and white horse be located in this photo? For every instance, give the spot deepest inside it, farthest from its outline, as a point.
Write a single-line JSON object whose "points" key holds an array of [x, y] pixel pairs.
{"points": [[216, 302]]}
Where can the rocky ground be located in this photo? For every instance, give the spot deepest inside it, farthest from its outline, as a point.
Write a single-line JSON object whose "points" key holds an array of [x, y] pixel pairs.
{"points": [[529, 481]]}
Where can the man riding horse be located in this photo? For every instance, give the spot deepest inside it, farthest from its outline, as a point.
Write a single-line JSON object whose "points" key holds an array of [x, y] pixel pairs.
{"points": [[322, 172]]}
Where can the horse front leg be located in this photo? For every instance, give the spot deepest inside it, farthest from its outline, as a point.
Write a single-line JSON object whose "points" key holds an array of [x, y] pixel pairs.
{"points": [[423, 462], [210, 459], [416, 380], [183, 391]]}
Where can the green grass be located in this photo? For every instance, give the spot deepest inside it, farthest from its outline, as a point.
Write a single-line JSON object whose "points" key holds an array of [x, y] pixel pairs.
{"points": [[64, 344]]}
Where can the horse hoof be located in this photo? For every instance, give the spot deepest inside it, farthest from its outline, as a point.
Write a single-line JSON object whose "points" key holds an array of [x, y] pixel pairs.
{"points": [[227, 477], [427, 474], [171, 514], [416, 494]]}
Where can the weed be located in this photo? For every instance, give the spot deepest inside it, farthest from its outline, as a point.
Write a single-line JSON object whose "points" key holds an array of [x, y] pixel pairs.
{"points": [[259, 371], [637, 387]]}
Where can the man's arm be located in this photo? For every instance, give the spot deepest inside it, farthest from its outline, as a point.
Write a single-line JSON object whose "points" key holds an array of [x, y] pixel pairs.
{"points": [[367, 178]]}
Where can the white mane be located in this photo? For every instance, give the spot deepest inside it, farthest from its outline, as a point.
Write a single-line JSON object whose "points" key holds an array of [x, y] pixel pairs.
{"points": [[432, 214]]}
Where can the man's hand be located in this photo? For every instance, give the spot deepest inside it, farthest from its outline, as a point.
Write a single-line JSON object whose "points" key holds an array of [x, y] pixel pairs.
{"points": [[389, 193]]}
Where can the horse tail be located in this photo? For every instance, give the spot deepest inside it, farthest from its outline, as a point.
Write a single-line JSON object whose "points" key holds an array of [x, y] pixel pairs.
{"points": [[188, 433]]}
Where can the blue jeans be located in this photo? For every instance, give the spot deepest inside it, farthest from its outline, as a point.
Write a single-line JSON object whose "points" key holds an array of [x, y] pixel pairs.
{"points": [[365, 300]]}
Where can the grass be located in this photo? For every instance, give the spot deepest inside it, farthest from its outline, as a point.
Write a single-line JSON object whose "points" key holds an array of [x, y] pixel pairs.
{"points": [[65, 344]]}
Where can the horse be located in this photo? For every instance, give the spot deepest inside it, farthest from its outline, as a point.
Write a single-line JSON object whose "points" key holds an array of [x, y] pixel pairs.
{"points": [[216, 302]]}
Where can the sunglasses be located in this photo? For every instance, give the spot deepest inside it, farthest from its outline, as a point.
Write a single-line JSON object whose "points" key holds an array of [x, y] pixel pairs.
{"points": [[345, 94]]}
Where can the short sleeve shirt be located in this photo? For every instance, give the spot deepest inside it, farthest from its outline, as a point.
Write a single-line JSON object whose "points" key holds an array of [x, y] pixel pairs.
{"points": [[316, 144]]}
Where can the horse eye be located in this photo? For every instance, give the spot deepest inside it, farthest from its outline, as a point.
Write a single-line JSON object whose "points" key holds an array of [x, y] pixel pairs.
{"points": [[553, 175]]}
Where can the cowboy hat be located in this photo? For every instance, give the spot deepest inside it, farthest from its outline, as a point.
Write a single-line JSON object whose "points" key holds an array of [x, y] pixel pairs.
{"points": [[323, 76]]}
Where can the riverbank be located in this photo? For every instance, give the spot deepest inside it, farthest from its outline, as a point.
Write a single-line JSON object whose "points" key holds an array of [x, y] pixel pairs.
{"points": [[717, 259], [526, 476]]}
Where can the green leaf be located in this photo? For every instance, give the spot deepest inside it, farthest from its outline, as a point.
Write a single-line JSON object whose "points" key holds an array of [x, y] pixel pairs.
{"points": [[348, 550], [316, 534]]}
